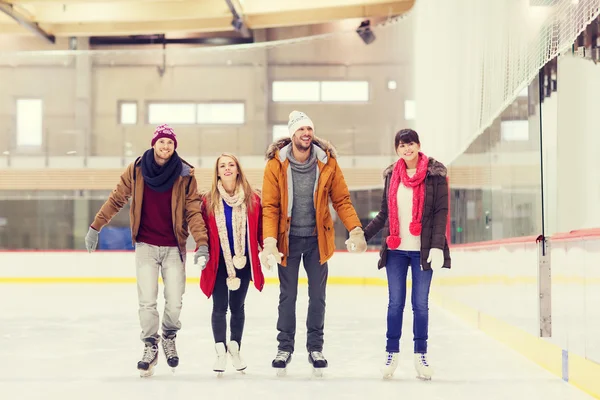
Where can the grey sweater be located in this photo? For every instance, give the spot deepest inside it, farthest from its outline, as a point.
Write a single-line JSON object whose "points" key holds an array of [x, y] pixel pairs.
{"points": [[304, 174]]}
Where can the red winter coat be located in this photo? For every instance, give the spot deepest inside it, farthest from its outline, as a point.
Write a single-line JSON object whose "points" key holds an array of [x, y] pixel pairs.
{"points": [[254, 236]]}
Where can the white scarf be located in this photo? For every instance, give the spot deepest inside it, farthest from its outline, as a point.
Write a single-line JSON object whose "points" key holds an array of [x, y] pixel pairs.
{"points": [[238, 221]]}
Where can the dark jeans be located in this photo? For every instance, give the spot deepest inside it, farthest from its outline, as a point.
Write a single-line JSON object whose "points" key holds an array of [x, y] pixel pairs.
{"points": [[224, 298], [307, 249], [398, 262]]}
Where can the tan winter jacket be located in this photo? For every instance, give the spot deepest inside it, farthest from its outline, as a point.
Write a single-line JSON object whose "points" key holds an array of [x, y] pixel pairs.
{"points": [[277, 197], [185, 205]]}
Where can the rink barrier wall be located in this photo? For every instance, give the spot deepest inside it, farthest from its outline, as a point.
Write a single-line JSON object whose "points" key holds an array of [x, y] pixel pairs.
{"points": [[492, 287]]}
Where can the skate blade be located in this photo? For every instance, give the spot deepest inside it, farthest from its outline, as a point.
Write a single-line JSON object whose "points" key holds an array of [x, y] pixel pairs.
{"points": [[148, 373], [318, 372], [281, 372], [424, 377]]}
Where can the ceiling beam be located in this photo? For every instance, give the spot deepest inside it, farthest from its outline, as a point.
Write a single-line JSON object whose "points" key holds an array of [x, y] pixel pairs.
{"points": [[326, 14], [25, 22], [140, 17]]}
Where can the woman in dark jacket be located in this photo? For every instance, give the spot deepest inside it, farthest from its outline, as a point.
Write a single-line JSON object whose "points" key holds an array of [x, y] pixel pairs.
{"points": [[413, 215]]}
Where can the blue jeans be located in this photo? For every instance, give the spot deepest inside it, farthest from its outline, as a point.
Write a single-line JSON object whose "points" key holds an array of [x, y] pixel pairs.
{"points": [[398, 262]]}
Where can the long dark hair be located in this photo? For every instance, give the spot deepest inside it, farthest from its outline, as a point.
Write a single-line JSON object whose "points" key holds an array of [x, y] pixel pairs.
{"points": [[406, 136]]}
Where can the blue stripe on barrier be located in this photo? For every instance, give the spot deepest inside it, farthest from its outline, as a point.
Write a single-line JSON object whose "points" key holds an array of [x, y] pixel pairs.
{"points": [[565, 365]]}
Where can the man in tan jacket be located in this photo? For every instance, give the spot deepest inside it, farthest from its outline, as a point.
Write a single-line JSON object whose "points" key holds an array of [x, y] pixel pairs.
{"points": [[300, 178], [164, 203]]}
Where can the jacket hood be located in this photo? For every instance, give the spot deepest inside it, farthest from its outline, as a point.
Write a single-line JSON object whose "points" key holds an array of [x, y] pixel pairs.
{"points": [[283, 145], [434, 168]]}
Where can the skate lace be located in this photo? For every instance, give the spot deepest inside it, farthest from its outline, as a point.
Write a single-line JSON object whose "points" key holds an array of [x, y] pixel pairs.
{"points": [[317, 355], [169, 346], [423, 360], [282, 355], [149, 353], [390, 358]]}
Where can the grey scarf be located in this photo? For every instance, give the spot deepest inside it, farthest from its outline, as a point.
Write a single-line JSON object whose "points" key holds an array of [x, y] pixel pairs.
{"points": [[306, 166]]}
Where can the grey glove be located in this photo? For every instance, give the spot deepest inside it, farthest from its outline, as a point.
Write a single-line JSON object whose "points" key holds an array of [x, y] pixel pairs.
{"points": [[201, 257], [91, 240]]}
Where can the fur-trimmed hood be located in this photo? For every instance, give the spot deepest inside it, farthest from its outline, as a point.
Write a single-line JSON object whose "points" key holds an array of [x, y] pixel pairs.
{"points": [[434, 168], [284, 144]]}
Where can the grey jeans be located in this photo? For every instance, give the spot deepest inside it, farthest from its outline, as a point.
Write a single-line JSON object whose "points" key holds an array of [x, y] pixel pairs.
{"points": [[307, 249], [149, 260]]}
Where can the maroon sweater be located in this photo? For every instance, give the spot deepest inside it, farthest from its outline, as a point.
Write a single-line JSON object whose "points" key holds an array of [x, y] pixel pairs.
{"points": [[156, 221]]}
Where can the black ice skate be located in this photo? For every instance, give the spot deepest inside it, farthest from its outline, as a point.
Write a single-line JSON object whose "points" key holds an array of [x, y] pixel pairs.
{"points": [[168, 345], [149, 359], [318, 362], [281, 361]]}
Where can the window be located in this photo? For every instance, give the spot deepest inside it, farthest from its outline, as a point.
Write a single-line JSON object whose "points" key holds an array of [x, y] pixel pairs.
{"points": [[515, 130], [196, 113], [302, 91], [29, 122], [345, 91], [410, 110], [221, 113], [171, 113], [320, 91], [280, 131], [128, 113]]}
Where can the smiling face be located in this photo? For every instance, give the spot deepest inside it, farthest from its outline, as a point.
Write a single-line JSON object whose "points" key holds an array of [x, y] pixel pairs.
{"points": [[409, 152], [163, 150], [227, 169], [303, 138]]}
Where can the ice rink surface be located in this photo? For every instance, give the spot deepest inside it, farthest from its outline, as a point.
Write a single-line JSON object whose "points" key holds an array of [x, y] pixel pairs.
{"points": [[75, 341]]}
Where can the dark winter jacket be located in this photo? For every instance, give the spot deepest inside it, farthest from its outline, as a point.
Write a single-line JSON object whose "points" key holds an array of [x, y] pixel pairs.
{"points": [[435, 215]]}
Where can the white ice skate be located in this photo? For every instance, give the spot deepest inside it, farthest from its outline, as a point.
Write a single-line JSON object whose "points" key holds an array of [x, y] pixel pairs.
{"points": [[236, 359], [221, 361], [281, 361], [149, 360], [391, 363], [424, 370], [318, 362]]}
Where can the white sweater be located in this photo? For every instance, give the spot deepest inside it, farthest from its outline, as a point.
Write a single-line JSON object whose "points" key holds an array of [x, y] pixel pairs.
{"points": [[405, 202]]}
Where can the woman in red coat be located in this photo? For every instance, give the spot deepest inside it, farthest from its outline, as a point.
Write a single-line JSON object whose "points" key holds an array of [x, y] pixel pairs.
{"points": [[233, 215]]}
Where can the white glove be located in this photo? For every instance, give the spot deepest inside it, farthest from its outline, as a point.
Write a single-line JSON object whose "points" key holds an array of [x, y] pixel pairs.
{"points": [[91, 239], [270, 255], [356, 242], [436, 258], [201, 257]]}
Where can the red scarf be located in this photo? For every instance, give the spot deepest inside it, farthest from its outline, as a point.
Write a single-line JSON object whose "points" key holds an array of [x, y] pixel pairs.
{"points": [[417, 183]]}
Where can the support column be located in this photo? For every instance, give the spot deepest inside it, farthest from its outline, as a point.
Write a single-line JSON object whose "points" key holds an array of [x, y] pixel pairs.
{"points": [[83, 97]]}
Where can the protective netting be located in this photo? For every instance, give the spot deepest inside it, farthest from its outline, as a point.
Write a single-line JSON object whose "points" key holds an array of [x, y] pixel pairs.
{"points": [[473, 57]]}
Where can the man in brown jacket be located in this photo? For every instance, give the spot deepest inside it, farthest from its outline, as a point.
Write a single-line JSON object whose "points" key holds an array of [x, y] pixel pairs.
{"points": [[300, 178], [164, 203]]}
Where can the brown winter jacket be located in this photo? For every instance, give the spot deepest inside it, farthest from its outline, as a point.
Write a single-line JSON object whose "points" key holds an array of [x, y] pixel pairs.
{"points": [[185, 205], [435, 215], [277, 197]]}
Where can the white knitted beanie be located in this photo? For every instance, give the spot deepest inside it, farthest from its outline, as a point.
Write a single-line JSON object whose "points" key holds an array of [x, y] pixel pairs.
{"points": [[297, 120]]}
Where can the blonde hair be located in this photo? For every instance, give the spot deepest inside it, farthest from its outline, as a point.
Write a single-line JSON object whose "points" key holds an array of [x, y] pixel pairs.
{"points": [[214, 197]]}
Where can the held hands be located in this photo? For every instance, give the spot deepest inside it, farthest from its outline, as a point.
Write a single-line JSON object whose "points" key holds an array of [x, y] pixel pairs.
{"points": [[270, 255], [201, 257], [436, 258], [91, 240], [356, 243]]}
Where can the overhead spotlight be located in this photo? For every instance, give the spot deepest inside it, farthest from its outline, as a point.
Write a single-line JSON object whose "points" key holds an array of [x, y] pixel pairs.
{"points": [[365, 32]]}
